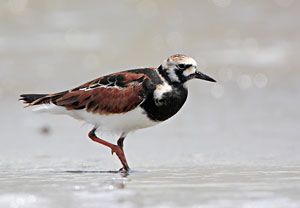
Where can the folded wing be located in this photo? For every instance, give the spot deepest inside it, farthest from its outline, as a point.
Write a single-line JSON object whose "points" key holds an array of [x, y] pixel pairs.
{"points": [[111, 94]]}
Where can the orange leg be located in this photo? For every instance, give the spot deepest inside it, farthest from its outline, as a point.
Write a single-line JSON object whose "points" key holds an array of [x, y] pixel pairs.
{"points": [[118, 149]]}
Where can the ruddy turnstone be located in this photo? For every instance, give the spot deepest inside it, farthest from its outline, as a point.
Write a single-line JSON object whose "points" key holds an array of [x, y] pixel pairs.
{"points": [[125, 101]]}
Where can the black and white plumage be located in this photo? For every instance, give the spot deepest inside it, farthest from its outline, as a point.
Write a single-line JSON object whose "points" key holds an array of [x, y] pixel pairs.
{"points": [[125, 101]]}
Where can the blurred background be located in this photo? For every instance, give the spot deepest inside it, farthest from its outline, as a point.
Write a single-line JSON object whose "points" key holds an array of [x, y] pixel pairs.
{"points": [[248, 121]]}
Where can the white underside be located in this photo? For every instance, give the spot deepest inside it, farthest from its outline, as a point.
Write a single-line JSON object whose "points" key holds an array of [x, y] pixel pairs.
{"points": [[114, 123]]}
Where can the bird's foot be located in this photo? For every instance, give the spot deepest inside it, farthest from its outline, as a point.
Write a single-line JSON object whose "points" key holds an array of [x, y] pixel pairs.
{"points": [[118, 149], [120, 153], [123, 170]]}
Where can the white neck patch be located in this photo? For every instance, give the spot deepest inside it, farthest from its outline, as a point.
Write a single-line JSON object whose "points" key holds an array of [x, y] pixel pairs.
{"points": [[160, 90]]}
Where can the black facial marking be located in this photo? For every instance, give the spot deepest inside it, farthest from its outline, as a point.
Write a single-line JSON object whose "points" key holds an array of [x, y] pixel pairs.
{"points": [[181, 66], [184, 66], [188, 65], [180, 75]]}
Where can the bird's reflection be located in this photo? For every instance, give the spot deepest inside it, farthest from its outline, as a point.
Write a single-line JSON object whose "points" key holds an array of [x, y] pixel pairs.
{"points": [[124, 174]]}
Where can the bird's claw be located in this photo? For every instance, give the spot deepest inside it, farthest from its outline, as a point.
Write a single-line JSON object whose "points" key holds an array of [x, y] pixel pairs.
{"points": [[124, 170]]}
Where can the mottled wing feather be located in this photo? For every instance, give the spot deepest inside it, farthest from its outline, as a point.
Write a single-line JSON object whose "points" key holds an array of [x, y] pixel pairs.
{"points": [[112, 94]]}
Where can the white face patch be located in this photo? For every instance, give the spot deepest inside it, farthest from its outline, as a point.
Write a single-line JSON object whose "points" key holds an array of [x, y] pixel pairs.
{"points": [[172, 75], [189, 71]]}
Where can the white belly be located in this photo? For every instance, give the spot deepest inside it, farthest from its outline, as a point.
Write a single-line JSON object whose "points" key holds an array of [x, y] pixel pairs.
{"points": [[115, 123], [118, 123]]}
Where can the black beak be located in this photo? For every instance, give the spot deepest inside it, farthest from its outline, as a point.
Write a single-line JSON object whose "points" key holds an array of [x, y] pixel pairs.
{"points": [[200, 75]]}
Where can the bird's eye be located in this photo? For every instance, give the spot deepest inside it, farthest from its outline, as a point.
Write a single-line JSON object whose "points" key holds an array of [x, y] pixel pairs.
{"points": [[181, 66]]}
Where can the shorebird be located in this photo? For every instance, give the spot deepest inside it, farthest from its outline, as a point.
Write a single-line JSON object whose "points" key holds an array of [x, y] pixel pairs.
{"points": [[124, 101]]}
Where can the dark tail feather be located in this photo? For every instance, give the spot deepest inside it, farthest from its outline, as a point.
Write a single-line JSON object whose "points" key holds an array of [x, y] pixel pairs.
{"points": [[31, 98], [37, 99]]}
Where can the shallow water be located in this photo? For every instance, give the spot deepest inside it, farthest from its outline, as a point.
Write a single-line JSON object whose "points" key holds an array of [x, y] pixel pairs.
{"points": [[234, 144], [201, 186]]}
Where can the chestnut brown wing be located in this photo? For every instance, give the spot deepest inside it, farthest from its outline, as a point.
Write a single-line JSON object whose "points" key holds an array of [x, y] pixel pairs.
{"points": [[111, 94]]}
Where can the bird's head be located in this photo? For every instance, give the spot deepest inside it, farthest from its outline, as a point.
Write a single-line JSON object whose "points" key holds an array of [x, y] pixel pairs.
{"points": [[180, 68]]}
